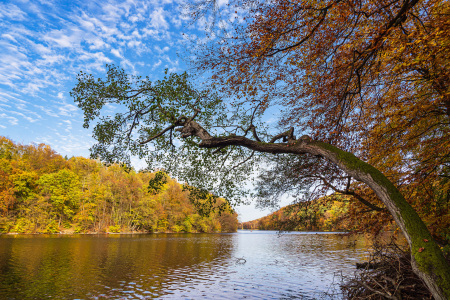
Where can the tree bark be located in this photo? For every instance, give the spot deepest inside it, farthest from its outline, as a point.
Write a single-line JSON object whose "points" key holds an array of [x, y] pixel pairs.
{"points": [[428, 261]]}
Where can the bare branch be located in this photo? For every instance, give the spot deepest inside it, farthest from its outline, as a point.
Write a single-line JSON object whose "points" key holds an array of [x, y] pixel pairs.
{"points": [[323, 14], [253, 129], [287, 136]]}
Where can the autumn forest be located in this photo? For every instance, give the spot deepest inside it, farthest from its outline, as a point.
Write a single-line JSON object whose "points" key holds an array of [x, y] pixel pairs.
{"points": [[43, 192]]}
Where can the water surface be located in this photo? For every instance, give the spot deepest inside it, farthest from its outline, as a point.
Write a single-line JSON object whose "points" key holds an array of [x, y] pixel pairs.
{"points": [[243, 265]]}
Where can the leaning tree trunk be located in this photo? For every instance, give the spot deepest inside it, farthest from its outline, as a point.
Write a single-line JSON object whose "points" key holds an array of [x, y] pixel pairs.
{"points": [[427, 260]]}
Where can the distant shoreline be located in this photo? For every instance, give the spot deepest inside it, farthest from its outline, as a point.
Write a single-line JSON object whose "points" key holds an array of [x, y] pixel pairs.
{"points": [[319, 231]]}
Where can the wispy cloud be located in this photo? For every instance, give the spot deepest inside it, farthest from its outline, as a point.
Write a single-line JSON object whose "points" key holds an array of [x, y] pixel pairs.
{"points": [[9, 119], [24, 116], [68, 126], [64, 38], [159, 50], [157, 64], [158, 19], [47, 111], [11, 11], [23, 108], [116, 53], [67, 109], [43, 45]]}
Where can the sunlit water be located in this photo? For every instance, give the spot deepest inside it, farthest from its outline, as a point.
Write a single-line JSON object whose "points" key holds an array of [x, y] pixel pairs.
{"points": [[243, 265]]}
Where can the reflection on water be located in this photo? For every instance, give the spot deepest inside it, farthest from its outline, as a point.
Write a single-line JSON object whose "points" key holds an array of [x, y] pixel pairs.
{"points": [[251, 265]]}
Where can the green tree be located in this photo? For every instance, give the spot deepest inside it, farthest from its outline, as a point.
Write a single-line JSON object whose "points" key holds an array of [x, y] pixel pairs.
{"points": [[63, 191]]}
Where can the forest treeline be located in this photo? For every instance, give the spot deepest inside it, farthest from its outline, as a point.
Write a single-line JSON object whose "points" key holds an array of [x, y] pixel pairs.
{"points": [[338, 212], [329, 213], [43, 192]]}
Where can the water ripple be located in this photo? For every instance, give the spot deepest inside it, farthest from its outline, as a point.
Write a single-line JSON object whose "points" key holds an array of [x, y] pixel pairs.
{"points": [[259, 265]]}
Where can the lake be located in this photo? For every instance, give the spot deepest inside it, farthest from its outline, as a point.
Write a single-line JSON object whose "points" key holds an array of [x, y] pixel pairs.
{"points": [[242, 265]]}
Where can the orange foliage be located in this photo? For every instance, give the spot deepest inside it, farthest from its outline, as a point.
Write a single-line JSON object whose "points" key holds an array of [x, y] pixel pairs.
{"points": [[371, 77], [328, 213]]}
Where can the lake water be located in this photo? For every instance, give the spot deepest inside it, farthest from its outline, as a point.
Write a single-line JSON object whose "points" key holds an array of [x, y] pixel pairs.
{"points": [[243, 265]]}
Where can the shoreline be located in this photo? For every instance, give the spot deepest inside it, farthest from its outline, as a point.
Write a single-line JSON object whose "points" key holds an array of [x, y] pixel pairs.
{"points": [[101, 233], [167, 232]]}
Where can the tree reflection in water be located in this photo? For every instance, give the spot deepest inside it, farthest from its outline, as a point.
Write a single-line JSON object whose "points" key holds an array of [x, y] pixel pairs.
{"points": [[188, 266]]}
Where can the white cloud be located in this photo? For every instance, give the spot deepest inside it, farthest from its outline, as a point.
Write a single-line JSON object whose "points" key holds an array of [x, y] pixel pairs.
{"points": [[157, 19], [4, 105], [116, 53], [66, 38], [112, 12], [33, 87], [69, 125], [24, 108], [136, 34], [12, 96], [157, 64], [86, 23], [170, 61], [26, 117], [11, 120], [154, 34], [96, 56], [36, 10], [9, 37], [51, 59], [159, 50], [47, 110], [12, 64], [127, 63], [134, 19], [97, 43], [67, 109], [138, 164], [11, 11], [41, 49], [38, 81], [134, 44]]}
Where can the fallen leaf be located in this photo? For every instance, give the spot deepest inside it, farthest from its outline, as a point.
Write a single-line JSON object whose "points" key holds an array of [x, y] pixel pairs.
{"points": [[421, 249]]}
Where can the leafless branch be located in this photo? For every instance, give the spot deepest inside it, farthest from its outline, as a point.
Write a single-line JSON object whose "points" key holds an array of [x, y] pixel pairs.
{"points": [[287, 136]]}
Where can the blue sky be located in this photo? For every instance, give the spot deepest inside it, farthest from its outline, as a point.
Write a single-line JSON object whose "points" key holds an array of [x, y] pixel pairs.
{"points": [[45, 43]]}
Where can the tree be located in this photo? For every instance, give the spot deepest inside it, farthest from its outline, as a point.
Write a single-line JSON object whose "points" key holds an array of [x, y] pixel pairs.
{"points": [[63, 191], [168, 114], [371, 77]]}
